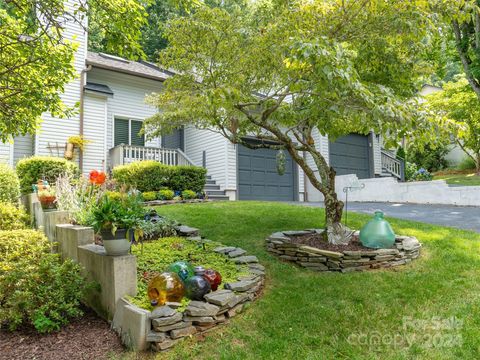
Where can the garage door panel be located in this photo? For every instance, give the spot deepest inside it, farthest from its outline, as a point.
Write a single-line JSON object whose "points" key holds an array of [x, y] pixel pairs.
{"points": [[258, 176], [351, 155]]}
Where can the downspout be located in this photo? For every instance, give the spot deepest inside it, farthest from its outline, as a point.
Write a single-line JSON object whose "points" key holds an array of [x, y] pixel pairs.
{"points": [[81, 113]]}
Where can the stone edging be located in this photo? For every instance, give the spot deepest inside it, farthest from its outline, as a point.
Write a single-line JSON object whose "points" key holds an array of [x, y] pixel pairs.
{"points": [[405, 250], [172, 202], [165, 326]]}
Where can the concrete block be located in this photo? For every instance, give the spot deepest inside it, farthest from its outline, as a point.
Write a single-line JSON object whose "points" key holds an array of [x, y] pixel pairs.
{"points": [[48, 220], [70, 237], [115, 275], [132, 324]]}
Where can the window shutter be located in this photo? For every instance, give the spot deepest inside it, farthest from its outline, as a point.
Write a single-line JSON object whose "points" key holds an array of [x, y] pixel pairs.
{"points": [[137, 139], [121, 132]]}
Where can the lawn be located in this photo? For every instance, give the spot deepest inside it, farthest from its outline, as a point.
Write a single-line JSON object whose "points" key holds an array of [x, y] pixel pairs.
{"points": [[308, 315], [459, 178]]}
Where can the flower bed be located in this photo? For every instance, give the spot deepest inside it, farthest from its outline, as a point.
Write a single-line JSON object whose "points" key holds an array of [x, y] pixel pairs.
{"points": [[243, 279], [343, 258]]}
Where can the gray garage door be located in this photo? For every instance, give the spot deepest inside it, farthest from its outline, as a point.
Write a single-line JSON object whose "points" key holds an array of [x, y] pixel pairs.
{"points": [[258, 178], [351, 155]]}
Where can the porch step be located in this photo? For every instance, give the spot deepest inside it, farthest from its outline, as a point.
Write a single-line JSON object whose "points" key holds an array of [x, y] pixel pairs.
{"points": [[213, 191]]}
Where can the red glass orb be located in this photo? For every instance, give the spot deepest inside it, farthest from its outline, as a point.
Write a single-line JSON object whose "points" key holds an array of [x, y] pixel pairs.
{"points": [[213, 277]]}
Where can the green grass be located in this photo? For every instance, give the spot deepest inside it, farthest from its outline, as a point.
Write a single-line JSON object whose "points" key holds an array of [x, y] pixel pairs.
{"points": [[308, 315], [468, 179]]}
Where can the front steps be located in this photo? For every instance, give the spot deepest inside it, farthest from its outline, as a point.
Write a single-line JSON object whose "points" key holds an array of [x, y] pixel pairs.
{"points": [[213, 190]]}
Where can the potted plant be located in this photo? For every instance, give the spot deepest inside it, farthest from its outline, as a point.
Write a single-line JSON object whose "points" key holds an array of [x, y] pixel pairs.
{"points": [[47, 198], [74, 142], [118, 222]]}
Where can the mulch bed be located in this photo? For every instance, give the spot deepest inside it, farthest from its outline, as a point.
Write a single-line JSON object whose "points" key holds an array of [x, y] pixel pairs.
{"points": [[89, 337], [317, 241]]}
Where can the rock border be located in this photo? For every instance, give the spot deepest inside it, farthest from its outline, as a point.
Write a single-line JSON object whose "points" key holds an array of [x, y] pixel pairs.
{"points": [[405, 249], [165, 325], [172, 202]]}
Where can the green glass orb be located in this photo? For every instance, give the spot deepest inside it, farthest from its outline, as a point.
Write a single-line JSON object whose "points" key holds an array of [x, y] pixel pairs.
{"points": [[377, 233], [182, 268]]}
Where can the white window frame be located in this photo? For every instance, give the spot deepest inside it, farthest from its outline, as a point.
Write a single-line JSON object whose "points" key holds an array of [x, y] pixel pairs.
{"points": [[129, 119]]}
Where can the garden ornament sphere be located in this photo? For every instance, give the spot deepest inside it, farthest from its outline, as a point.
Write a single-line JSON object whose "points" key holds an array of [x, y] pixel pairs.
{"points": [[182, 269], [196, 287], [213, 277], [377, 233], [166, 287]]}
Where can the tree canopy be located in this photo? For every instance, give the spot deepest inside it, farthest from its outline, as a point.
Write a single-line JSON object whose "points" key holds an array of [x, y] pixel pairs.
{"points": [[285, 70], [36, 61]]}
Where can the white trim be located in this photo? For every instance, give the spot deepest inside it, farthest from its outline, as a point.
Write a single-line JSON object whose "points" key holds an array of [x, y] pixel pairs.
{"points": [[11, 151], [105, 124], [129, 119]]}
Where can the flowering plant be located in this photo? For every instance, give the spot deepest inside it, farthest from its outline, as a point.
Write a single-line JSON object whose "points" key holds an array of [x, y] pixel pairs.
{"points": [[97, 177], [422, 175]]}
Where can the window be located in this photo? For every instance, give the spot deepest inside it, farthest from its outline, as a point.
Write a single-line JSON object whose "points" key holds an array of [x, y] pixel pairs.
{"points": [[126, 132]]}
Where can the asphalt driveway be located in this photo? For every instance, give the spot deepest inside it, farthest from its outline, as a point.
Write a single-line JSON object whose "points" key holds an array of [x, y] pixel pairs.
{"points": [[461, 217]]}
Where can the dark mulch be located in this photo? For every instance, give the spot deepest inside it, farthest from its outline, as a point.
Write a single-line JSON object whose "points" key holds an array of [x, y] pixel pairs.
{"points": [[88, 337], [317, 241]]}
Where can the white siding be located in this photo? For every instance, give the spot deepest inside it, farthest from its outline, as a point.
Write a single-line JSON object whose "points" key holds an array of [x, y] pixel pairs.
{"points": [[95, 116], [22, 147], [5, 153], [128, 100], [54, 130], [377, 154], [221, 155]]}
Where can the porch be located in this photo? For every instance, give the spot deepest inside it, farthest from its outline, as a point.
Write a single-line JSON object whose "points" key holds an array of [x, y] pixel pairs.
{"points": [[125, 154]]}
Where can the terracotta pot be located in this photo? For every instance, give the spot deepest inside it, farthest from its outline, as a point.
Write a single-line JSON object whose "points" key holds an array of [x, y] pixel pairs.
{"points": [[48, 202]]}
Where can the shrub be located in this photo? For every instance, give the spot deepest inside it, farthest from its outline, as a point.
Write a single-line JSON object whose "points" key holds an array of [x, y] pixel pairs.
{"points": [[153, 176], [410, 170], [189, 194], [115, 195], [188, 177], [467, 164], [12, 218], [149, 195], [165, 194], [31, 169], [36, 288], [422, 175], [9, 185], [430, 157]]}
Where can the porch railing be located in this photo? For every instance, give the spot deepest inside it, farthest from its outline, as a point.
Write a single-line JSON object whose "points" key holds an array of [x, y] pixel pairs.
{"points": [[392, 165], [126, 154]]}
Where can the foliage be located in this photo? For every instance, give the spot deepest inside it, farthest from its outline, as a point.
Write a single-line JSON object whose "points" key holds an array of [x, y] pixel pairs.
{"points": [[149, 195], [422, 175], [79, 141], [320, 66], [410, 170], [157, 255], [153, 176], [467, 164], [188, 194], [458, 177], [9, 185], [429, 156], [163, 227], [166, 194], [124, 214], [448, 266], [456, 111], [12, 217], [36, 288], [187, 177], [401, 155], [34, 168], [37, 60]]}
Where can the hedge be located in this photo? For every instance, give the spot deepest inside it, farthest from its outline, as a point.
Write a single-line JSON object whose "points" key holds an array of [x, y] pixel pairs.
{"points": [[31, 169], [36, 287], [12, 218], [146, 176], [9, 185]]}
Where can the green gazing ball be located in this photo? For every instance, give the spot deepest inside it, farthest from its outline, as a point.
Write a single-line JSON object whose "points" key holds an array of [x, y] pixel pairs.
{"points": [[377, 233], [182, 268]]}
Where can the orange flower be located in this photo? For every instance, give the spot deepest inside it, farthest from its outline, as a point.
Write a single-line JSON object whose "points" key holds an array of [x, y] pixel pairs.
{"points": [[97, 177]]}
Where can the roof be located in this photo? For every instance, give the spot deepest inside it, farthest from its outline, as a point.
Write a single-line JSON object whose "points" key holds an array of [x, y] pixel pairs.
{"points": [[138, 68], [98, 88]]}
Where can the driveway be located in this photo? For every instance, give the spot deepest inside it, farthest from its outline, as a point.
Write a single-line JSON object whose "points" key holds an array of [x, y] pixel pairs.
{"points": [[461, 217]]}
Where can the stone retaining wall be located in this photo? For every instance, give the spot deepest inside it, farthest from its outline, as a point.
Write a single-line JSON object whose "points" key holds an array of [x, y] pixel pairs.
{"points": [[165, 325], [404, 251]]}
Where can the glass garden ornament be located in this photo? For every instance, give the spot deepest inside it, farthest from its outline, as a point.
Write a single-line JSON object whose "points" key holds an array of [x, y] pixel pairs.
{"points": [[377, 233], [182, 269], [165, 287]]}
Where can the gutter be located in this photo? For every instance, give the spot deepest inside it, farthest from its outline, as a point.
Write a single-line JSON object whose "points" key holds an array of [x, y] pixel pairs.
{"points": [[81, 113]]}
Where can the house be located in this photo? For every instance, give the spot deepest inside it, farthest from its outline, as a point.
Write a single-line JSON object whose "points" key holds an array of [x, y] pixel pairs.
{"points": [[111, 93]]}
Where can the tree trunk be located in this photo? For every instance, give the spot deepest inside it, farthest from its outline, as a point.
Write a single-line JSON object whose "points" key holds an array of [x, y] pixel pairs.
{"points": [[477, 165], [333, 206]]}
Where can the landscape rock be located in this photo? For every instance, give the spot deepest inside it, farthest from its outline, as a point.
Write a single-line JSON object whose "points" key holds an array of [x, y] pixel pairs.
{"points": [[245, 259], [154, 336], [178, 325], [237, 252], [243, 285], [162, 311], [187, 331], [220, 297], [224, 249], [201, 308], [167, 320]]}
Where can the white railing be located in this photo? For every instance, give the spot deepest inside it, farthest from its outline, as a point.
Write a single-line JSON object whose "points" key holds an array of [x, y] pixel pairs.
{"points": [[392, 165], [126, 154]]}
